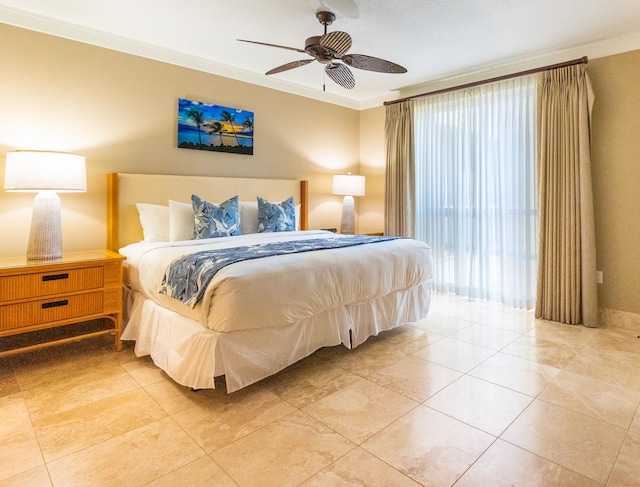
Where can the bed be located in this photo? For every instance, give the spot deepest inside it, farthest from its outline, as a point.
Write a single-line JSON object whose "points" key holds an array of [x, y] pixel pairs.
{"points": [[256, 316]]}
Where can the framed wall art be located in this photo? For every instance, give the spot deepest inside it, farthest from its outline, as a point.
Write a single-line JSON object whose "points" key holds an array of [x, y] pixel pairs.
{"points": [[202, 126]]}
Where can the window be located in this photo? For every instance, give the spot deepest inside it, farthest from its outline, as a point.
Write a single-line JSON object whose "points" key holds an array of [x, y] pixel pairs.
{"points": [[476, 190]]}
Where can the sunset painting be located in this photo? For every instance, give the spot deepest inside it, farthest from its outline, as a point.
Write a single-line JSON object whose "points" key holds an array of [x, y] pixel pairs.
{"points": [[214, 128]]}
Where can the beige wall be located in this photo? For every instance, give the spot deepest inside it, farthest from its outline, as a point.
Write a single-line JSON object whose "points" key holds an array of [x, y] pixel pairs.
{"points": [[372, 166], [616, 178], [120, 112]]}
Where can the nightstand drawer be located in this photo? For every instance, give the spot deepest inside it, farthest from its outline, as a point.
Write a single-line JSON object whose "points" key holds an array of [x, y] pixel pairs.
{"points": [[48, 283], [50, 310]]}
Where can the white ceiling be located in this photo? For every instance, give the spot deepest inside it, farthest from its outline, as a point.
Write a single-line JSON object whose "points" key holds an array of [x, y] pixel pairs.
{"points": [[436, 40]]}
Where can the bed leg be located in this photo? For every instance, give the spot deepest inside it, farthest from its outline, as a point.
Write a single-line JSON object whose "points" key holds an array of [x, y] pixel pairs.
{"points": [[350, 339]]}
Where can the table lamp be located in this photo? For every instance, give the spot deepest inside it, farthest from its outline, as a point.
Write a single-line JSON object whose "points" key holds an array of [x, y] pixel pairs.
{"points": [[348, 185], [45, 173]]}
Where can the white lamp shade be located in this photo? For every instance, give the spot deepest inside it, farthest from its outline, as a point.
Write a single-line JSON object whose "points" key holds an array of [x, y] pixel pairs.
{"points": [[45, 173], [42, 171], [348, 185]]}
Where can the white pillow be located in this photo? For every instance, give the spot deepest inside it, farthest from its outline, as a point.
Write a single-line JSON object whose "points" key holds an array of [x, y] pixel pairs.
{"points": [[249, 216], [155, 222], [181, 221]]}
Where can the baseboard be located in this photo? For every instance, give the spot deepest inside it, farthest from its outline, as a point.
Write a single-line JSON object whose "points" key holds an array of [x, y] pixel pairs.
{"points": [[620, 319]]}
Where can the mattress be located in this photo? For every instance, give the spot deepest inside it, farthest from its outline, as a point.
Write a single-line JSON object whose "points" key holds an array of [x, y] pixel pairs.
{"points": [[285, 289]]}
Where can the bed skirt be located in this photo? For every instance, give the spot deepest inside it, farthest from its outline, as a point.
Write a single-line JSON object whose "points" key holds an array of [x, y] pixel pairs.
{"points": [[193, 355]]}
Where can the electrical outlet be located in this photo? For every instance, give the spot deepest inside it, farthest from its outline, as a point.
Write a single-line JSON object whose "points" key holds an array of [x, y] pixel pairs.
{"points": [[599, 277]]}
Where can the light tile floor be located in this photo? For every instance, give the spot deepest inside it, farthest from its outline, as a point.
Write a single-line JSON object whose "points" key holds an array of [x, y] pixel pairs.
{"points": [[474, 395]]}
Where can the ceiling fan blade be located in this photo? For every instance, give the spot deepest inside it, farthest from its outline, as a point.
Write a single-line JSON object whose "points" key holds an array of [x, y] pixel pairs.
{"points": [[337, 42], [341, 75], [288, 66], [272, 45], [370, 63]]}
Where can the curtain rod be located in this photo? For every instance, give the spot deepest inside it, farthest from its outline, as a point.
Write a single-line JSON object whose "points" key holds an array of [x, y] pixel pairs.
{"points": [[582, 60]]}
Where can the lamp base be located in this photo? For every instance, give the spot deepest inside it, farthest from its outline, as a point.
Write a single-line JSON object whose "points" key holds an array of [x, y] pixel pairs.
{"points": [[45, 236], [347, 225]]}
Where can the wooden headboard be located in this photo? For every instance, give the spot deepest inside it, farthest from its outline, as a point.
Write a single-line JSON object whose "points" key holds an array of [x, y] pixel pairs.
{"points": [[125, 190]]}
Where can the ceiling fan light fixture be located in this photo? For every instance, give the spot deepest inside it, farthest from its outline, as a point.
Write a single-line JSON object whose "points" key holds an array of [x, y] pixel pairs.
{"points": [[331, 49]]}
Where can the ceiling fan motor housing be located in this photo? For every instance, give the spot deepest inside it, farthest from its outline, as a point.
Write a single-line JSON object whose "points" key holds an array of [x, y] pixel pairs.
{"points": [[323, 54], [313, 48]]}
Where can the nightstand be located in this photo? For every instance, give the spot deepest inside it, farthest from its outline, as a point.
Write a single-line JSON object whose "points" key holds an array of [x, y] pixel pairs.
{"points": [[41, 295]]}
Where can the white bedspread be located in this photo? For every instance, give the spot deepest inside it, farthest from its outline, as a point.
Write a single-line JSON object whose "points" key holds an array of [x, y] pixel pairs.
{"points": [[280, 290]]}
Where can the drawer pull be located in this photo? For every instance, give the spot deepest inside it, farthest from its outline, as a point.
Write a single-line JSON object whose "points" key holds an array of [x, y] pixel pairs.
{"points": [[55, 277], [55, 304]]}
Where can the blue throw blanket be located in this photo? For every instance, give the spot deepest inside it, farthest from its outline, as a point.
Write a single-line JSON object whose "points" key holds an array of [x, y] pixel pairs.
{"points": [[187, 277]]}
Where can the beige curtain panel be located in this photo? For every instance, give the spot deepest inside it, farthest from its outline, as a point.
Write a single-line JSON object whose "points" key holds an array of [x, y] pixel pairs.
{"points": [[566, 287], [400, 172]]}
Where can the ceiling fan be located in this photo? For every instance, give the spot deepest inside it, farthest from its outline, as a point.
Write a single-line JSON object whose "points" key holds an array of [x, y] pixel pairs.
{"points": [[331, 49]]}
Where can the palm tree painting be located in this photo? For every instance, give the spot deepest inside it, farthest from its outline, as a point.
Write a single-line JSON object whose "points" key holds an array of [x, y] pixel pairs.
{"points": [[198, 119], [214, 128], [248, 124], [230, 118]]}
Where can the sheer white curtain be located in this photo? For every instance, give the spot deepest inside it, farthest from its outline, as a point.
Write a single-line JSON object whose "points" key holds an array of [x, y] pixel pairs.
{"points": [[475, 185]]}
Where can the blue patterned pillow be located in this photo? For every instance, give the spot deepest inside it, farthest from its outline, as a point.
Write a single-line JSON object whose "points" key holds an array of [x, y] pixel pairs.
{"points": [[211, 220], [276, 217]]}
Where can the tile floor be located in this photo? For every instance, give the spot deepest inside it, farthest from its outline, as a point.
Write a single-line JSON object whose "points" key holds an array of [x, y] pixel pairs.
{"points": [[474, 395]]}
